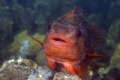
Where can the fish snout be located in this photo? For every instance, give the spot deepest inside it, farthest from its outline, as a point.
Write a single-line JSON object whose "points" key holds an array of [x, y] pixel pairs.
{"points": [[60, 40]]}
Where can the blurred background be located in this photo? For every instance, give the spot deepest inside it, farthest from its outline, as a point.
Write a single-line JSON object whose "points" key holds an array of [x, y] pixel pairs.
{"points": [[20, 18]]}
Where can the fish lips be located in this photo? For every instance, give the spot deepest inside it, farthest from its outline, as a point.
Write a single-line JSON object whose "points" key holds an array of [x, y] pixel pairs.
{"points": [[60, 40]]}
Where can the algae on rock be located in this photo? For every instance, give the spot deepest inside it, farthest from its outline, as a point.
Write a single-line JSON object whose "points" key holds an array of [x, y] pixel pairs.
{"points": [[25, 69], [19, 38], [35, 47], [115, 59], [114, 30], [17, 69]]}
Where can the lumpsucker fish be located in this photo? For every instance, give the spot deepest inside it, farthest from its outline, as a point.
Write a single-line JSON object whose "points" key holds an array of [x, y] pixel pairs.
{"points": [[70, 42]]}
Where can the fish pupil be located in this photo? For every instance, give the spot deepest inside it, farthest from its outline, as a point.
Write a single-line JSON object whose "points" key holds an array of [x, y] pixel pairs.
{"points": [[49, 27], [78, 33]]}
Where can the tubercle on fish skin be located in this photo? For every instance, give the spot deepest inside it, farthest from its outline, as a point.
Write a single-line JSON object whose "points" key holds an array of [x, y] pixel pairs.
{"points": [[64, 46]]}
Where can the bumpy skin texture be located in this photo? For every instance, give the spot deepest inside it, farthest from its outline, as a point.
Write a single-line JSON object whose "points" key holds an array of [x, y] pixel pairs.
{"points": [[68, 40], [69, 43]]}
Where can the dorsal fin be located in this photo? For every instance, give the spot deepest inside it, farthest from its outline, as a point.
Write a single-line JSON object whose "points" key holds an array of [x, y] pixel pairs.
{"points": [[36, 40], [98, 34]]}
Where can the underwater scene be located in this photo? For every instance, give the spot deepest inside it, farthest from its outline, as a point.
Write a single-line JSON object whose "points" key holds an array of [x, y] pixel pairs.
{"points": [[59, 39]]}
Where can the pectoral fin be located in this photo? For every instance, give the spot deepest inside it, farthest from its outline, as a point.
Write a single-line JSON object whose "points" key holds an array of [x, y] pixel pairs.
{"points": [[93, 56], [36, 40]]}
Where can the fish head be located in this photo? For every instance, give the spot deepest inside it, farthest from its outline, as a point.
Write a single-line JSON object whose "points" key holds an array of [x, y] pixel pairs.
{"points": [[67, 37]]}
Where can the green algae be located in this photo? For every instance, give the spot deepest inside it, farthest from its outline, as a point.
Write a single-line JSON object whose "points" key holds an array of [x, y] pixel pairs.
{"points": [[35, 47]]}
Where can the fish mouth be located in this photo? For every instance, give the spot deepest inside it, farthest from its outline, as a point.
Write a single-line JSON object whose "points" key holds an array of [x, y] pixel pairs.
{"points": [[60, 40]]}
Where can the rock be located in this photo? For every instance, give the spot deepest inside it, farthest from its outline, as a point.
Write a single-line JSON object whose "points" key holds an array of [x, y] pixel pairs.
{"points": [[41, 73], [17, 69], [65, 76], [25, 69], [115, 60]]}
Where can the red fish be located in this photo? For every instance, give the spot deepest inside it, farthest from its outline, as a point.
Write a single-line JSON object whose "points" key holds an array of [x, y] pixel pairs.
{"points": [[71, 41]]}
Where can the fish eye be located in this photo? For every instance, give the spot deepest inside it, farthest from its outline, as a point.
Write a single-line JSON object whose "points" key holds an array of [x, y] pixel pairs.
{"points": [[49, 27], [78, 33]]}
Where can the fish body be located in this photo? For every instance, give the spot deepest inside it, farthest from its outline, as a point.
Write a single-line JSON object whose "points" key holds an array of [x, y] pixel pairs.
{"points": [[70, 41]]}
